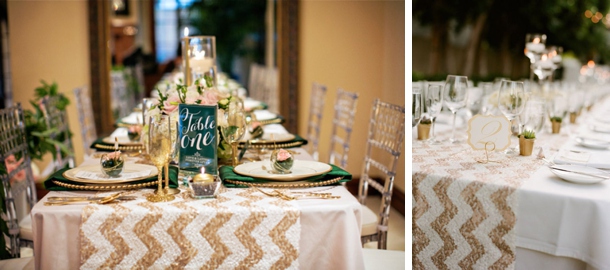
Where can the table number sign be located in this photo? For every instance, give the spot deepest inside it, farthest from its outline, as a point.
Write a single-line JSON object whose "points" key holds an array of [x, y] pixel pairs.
{"points": [[488, 131], [197, 140]]}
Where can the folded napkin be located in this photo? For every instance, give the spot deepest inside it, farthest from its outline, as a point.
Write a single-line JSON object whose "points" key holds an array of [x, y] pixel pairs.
{"points": [[298, 141], [131, 119], [253, 105], [227, 173], [58, 176], [592, 159]]}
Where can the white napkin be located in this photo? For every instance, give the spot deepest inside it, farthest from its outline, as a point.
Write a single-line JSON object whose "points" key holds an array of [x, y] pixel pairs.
{"points": [[250, 103], [596, 160], [603, 128]]}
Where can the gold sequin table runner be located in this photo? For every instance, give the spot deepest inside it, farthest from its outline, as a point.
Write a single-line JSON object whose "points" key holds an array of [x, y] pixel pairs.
{"points": [[464, 211], [240, 229]]}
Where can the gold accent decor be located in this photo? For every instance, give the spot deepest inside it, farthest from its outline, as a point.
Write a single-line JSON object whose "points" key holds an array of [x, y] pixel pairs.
{"points": [[286, 185], [271, 121], [526, 146], [274, 146], [105, 187], [122, 148], [573, 117], [423, 131], [556, 127]]}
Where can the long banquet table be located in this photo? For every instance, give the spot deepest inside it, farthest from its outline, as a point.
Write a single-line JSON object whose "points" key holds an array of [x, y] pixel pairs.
{"points": [[329, 238], [460, 218]]}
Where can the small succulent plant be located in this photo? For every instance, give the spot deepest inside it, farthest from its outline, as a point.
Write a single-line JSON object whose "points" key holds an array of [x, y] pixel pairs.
{"points": [[556, 119], [426, 121], [529, 134]]}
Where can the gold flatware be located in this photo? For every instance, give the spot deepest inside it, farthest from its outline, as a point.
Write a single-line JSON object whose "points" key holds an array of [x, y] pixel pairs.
{"points": [[103, 200], [75, 199]]}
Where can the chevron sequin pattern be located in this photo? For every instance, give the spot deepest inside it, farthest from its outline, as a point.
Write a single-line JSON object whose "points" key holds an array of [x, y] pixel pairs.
{"points": [[240, 229], [464, 211]]}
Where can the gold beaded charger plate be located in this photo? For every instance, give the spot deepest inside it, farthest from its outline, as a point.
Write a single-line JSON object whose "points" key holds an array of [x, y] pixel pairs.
{"points": [[301, 169], [123, 140], [270, 138], [92, 174], [295, 184]]}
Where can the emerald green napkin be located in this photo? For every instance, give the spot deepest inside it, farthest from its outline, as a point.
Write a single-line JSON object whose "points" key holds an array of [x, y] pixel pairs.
{"points": [[227, 173], [58, 175]]}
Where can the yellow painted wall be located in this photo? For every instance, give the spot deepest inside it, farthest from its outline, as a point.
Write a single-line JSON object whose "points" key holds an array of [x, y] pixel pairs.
{"points": [[358, 46], [48, 40]]}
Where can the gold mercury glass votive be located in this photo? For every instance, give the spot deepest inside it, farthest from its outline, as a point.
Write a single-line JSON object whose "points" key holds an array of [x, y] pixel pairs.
{"points": [[423, 131], [204, 186]]}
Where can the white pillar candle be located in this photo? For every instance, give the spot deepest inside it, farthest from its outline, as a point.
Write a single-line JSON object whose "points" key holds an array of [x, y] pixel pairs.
{"points": [[534, 47]]}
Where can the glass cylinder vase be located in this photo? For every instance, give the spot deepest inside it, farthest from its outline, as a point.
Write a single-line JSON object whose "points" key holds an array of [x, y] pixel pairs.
{"points": [[199, 58]]}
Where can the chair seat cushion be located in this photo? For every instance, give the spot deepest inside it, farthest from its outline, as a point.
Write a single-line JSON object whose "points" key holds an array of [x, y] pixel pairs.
{"points": [[18, 263], [25, 227], [369, 221]]}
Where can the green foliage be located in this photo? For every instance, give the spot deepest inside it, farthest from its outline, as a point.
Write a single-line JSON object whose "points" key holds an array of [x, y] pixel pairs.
{"points": [[38, 134], [556, 119], [237, 24], [529, 134]]}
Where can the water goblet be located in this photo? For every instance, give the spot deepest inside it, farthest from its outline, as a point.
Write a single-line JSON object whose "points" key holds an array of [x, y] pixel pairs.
{"points": [[511, 102], [433, 104], [233, 127], [417, 107], [455, 96]]}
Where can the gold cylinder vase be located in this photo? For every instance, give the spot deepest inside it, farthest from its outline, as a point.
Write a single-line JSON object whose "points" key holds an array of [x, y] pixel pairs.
{"points": [[526, 146], [555, 127], [423, 132], [573, 116]]}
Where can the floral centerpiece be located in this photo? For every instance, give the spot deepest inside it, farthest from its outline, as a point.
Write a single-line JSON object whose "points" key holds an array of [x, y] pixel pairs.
{"points": [[202, 92]]}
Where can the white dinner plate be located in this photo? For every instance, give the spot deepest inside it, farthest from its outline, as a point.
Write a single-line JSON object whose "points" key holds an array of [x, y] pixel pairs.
{"points": [[301, 169], [251, 103], [99, 178], [133, 119], [266, 138], [593, 143], [123, 140], [262, 115], [572, 174]]}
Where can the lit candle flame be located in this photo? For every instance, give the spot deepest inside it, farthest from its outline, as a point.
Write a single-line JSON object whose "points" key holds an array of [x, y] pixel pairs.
{"points": [[591, 63], [202, 170], [536, 40], [186, 31], [544, 57]]}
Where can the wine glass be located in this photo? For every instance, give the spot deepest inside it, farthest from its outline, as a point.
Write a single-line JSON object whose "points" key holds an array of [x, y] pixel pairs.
{"points": [[533, 116], [455, 96], [159, 150], [433, 103], [233, 127], [417, 106], [511, 101]]}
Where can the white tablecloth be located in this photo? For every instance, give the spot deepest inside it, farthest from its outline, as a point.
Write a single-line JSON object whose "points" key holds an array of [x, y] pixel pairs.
{"points": [[559, 220], [330, 230]]}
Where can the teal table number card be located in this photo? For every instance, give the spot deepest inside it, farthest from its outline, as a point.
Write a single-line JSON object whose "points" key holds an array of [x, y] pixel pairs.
{"points": [[197, 139]]}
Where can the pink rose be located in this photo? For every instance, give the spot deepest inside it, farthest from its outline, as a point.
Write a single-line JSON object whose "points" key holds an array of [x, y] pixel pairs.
{"points": [[171, 104], [11, 165], [114, 155], [283, 155], [209, 98], [135, 128]]}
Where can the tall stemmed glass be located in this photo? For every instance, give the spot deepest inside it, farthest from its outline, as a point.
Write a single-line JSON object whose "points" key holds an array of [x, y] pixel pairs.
{"points": [[233, 127], [417, 106], [511, 102], [159, 151], [433, 103], [455, 96], [534, 48]]}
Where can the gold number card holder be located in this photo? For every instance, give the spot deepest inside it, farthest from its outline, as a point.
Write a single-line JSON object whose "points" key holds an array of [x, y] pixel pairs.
{"points": [[489, 133]]}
